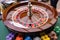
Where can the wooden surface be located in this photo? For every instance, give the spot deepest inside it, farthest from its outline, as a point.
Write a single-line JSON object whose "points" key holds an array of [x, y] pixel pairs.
{"points": [[4, 31], [54, 12]]}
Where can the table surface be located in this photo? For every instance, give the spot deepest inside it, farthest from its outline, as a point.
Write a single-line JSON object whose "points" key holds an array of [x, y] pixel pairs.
{"points": [[4, 31]]}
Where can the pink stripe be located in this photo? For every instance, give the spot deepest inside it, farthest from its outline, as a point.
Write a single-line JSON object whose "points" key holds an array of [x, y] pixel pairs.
{"points": [[27, 25]]}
